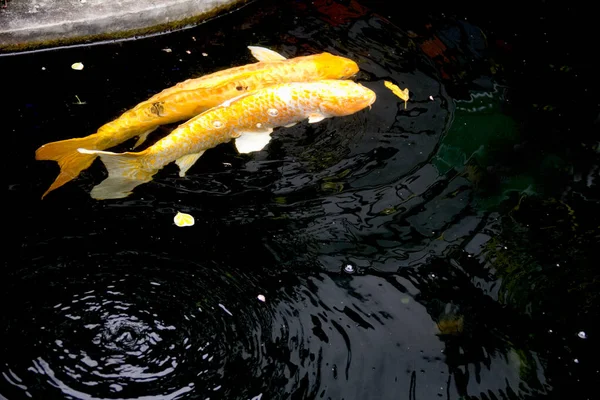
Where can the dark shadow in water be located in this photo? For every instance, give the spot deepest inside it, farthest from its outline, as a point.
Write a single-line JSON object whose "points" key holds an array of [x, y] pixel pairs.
{"points": [[442, 250]]}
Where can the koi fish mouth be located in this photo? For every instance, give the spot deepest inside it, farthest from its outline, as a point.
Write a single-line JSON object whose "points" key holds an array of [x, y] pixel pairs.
{"points": [[370, 99]]}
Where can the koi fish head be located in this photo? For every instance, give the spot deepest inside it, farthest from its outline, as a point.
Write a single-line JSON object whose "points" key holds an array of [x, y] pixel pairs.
{"points": [[343, 97], [329, 66]]}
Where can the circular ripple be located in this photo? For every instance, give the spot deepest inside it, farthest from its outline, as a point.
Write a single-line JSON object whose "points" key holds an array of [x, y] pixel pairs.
{"points": [[167, 329]]}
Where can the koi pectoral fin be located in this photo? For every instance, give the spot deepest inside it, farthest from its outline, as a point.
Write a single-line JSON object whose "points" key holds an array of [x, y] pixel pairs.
{"points": [[312, 118], [185, 163], [253, 141]]}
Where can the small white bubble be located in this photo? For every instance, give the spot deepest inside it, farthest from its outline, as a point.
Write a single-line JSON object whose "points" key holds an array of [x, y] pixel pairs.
{"points": [[431, 98], [576, 361], [582, 335], [217, 124], [259, 125], [349, 269], [272, 112], [261, 298]]}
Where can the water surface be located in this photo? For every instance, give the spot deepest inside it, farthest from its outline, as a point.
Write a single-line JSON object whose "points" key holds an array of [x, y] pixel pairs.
{"points": [[442, 250]]}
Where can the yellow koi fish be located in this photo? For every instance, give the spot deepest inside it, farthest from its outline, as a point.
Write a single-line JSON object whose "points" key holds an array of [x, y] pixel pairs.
{"points": [[188, 99], [249, 119]]}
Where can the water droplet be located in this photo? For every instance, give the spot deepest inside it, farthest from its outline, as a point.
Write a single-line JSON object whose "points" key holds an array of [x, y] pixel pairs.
{"points": [[217, 124], [582, 335], [272, 112]]}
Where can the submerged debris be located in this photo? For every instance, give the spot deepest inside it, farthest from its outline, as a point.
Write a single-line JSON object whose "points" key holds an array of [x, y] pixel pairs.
{"points": [[79, 102]]}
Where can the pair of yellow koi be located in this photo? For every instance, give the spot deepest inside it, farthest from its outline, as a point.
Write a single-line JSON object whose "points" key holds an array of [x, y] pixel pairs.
{"points": [[243, 103]]}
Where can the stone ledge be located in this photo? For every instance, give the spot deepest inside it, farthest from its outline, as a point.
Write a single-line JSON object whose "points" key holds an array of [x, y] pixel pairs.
{"points": [[28, 24]]}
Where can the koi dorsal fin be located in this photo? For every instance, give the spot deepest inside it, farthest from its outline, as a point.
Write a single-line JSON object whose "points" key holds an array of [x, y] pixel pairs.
{"points": [[264, 54]]}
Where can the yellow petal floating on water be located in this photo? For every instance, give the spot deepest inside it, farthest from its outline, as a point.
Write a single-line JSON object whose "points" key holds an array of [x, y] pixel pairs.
{"points": [[183, 219], [403, 94], [78, 66]]}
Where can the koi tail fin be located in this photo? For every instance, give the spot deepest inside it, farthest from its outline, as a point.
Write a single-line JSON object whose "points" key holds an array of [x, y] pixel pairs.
{"points": [[125, 172], [70, 161]]}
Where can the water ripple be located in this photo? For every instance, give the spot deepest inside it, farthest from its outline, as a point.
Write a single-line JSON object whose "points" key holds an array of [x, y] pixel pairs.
{"points": [[132, 332]]}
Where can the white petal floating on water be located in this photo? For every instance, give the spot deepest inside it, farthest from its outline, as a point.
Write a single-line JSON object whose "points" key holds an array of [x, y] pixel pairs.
{"points": [[225, 309], [77, 66], [183, 219], [261, 298]]}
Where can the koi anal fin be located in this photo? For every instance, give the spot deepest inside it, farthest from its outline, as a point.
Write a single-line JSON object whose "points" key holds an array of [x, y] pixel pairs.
{"points": [[185, 163], [143, 136]]}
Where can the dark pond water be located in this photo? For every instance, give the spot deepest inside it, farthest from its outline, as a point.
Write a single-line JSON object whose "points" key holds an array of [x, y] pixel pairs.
{"points": [[442, 250]]}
